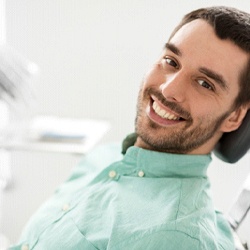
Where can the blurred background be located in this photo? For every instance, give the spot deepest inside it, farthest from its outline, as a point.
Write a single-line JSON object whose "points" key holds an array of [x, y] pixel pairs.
{"points": [[92, 56]]}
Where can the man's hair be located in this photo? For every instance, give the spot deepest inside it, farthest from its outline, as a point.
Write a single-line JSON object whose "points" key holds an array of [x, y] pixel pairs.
{"points": [[234, 25]]}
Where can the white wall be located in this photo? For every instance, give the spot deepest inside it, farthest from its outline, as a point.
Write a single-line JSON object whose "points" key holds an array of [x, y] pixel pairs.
{"points": [[92, 55]]}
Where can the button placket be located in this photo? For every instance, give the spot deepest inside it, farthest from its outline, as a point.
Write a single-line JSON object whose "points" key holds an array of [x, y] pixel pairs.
{"points": [[114, 175], [65, 207], [141, 173]]}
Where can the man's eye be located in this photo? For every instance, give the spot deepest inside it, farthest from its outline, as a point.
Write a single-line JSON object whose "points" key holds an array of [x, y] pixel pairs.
{"points": [[205, 84], [171, 62]]}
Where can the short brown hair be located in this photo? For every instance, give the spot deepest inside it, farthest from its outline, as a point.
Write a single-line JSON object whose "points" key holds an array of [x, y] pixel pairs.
{"points": [[228, 23]]}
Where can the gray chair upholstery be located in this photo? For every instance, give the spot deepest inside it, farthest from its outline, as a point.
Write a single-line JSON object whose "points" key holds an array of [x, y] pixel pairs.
{"points": [[234, 145]]}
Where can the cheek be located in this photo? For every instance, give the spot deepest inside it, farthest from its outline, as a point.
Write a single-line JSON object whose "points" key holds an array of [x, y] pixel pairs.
{"points": [[205, 116], [154, 77], [199, 109]]}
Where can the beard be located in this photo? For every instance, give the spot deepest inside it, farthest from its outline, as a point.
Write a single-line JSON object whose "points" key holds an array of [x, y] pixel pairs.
{"points": [[179, 140]]}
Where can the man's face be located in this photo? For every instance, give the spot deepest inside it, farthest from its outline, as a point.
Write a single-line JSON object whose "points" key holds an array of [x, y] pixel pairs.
{"points": [[186, 99]]}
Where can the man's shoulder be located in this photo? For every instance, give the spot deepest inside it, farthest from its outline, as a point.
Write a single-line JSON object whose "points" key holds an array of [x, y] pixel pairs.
{"points": [[99, 158], [104, 154]]}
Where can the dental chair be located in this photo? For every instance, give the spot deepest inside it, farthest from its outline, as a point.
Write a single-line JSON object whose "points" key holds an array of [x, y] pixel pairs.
{"points": [[231, 148]]}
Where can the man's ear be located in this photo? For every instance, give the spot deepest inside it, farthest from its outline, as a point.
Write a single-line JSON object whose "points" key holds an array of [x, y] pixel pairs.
{"points": [[234, 120]]}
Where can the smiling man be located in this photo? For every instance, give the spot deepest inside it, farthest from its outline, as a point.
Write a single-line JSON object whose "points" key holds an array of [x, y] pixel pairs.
{"points": [[187, 100], [157, 196]]}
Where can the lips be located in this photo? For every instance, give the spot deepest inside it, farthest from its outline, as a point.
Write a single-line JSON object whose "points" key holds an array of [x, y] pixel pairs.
{"points": [[161, 114]]}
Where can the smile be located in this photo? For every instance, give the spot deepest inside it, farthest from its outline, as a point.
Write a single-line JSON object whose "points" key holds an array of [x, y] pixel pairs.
{"points": [[163, 113]]}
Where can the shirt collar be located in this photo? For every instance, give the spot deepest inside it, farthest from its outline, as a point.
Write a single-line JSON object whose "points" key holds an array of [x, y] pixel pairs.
{"points": [[158, 164]]}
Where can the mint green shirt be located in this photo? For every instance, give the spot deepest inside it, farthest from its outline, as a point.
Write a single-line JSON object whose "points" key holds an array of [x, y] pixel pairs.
{"points": [[144, 200]]}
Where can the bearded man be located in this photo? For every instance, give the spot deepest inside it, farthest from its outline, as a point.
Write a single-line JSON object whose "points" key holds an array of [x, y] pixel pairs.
{"points": [[157, 196]]}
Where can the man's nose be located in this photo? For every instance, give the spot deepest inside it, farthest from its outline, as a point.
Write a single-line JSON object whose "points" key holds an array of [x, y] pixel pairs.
{"points": [[174, 87]]}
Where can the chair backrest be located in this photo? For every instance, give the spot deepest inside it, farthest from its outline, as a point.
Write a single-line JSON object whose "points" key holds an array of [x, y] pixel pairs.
{"points": [[238, 212], [231, 147], [238, 244]]}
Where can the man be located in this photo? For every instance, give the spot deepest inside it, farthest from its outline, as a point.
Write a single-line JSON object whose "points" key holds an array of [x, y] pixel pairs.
{"points": [[157, 196]]}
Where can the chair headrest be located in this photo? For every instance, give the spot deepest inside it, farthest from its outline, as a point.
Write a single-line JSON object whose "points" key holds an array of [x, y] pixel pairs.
{"points": [[234, 145]]}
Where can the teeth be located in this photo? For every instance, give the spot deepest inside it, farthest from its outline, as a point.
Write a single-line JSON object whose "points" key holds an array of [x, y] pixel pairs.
{"points": [[162, 113]]}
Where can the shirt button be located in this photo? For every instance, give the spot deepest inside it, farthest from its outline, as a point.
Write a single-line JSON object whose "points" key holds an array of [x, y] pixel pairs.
{"points": [[141, 173], [65, 207], [112, 174], [25, 247]]}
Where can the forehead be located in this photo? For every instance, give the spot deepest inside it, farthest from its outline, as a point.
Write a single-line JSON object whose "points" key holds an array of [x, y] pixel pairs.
{"points": [[200, 47]]}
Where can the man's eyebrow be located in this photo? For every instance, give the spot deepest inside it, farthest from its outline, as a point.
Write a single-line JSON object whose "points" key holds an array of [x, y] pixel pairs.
{"points": [[215, 76], [173, 48]]}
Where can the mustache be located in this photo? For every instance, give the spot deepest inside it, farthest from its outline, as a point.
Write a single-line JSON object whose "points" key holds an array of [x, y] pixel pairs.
{"points": [[171, 105]]}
